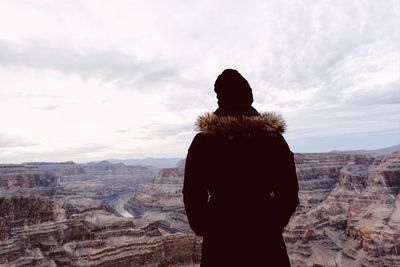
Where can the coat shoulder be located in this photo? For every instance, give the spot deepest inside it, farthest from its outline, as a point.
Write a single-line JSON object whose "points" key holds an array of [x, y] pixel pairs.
{"points": [[233, 126], [199, 141]]}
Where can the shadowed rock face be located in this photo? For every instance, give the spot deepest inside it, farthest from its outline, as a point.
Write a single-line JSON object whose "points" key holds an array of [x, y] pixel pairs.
{"points": [[27, 179], [349, 214], [20, 211]]}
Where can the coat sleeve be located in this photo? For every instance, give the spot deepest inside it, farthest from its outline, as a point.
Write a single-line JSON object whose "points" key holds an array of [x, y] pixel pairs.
{"points": [[195, 191], [286, 185]]}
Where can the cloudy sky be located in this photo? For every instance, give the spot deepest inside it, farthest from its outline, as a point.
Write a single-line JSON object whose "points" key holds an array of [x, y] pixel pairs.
{"points": [[89, 80]]}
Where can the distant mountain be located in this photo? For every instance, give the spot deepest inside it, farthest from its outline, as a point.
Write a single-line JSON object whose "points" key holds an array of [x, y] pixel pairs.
{"points": [[385, 150], [155, 162], [389, 149]]}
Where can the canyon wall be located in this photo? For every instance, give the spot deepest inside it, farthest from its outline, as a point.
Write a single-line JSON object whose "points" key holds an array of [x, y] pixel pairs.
{"points": [[349, 211], [64, 214]]}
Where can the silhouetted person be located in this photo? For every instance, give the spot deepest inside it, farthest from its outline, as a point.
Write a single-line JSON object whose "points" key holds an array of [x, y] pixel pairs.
{"points": [[240, 186]]}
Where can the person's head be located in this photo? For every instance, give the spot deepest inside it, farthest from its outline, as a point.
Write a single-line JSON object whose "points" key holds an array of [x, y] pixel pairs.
{"points": [[233, 89]]}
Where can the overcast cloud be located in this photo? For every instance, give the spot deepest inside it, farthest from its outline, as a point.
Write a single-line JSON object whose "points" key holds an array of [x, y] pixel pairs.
{"points": [[88, 80]]}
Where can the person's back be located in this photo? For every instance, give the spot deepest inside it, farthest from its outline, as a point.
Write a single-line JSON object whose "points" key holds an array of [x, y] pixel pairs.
{"points": [[240, 185]]}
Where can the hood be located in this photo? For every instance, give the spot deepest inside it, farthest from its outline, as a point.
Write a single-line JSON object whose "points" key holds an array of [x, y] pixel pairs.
{"points": [[232, 126]]}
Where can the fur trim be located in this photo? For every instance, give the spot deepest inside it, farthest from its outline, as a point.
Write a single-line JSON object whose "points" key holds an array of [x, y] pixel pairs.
{"points": [[230, 126]]}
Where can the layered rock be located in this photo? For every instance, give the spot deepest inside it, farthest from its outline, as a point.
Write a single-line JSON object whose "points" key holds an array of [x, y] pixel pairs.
{"points": [[354, 221], [67, 228], [161, 201], [15, 178], [97, 239], [97, 180], [20, 211]]}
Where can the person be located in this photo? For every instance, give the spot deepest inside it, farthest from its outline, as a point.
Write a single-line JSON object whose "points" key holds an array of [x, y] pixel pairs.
{"points": [[240, 185]]}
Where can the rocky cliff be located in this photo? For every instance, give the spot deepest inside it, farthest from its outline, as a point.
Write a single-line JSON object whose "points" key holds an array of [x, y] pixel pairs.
{"points": [[161, 201], [26, 179], [96, 239], [349, 212]]}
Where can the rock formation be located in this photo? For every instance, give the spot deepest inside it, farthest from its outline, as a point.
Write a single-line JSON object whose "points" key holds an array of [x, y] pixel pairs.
{"points": [[349, 212], [161, 201], [62, 214], [16, 178]]}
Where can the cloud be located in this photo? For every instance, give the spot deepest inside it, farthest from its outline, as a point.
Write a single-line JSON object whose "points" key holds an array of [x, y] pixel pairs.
{"points": [[85, 152], [387, 94], [49, 107], [331, 69], [7, 141], [109, 64], [158, 130]]}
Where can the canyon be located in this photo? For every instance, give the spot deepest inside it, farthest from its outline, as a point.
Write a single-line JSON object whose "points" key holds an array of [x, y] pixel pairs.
{"points": [[67, 214], [110, 214]]}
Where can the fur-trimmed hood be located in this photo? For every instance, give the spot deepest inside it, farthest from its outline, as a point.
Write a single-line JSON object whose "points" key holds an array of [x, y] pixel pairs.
{"points": [[232, 126]]}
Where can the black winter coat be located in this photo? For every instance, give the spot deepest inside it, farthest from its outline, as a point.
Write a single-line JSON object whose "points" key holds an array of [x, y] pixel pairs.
{"points": [[240, 189]]}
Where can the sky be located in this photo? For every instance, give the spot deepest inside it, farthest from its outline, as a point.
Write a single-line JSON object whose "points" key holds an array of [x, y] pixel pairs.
{"points": [[91, 80]]}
